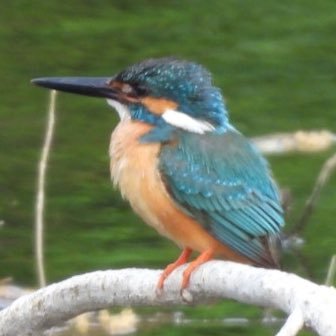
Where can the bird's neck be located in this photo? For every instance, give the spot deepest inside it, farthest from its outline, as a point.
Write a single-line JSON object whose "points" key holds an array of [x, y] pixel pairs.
{"points": [[127, 151]]}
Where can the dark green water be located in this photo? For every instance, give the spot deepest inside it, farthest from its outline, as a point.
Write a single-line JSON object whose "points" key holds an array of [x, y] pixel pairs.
{"points": [[275, 62]]}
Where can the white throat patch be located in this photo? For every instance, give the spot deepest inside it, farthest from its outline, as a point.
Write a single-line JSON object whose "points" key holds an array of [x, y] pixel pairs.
{"points": [[122, 110], [186, 122]]}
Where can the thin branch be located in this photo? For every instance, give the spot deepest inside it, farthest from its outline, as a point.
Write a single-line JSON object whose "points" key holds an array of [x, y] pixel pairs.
{"points": [[326, 171], [39, 205], [217, 279], [331, 271]]}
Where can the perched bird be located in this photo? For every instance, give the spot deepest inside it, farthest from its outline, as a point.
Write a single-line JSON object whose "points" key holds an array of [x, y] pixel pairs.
{"points": [[185, 170]]}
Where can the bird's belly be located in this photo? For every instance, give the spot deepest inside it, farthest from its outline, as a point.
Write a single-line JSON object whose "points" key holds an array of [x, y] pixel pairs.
{"points": [[134, 170]]}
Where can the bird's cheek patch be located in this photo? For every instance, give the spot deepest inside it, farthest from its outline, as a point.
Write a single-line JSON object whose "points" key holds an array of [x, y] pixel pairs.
{"points": [[158, 105], [187, 122]]}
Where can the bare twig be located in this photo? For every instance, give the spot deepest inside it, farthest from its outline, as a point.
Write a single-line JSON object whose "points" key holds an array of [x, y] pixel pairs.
{"points": [[331, 271], [39, 205], [327, 169]]}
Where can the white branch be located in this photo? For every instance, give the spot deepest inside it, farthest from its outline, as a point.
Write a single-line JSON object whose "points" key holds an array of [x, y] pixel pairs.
{"points": [[217, 279], [299, 141]]}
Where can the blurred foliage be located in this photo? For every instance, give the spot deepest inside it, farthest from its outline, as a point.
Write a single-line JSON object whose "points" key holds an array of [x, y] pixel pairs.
{"points": [[275, 62]]}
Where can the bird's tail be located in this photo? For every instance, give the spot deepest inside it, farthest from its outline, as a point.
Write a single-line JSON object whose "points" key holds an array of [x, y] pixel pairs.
{"points": [[273, 248]]}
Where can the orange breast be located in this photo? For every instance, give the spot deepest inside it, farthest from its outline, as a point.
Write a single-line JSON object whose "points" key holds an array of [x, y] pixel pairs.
{"points": [[134, 170]]}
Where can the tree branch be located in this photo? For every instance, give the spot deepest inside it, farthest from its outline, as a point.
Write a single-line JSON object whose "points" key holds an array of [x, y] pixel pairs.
{"points": [[217, 279]]}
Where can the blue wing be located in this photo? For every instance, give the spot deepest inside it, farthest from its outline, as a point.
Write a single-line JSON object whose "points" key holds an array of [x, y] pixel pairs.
{"points": [[222, 180]]}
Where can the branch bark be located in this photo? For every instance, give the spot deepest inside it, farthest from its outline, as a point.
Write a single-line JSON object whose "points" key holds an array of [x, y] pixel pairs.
{"points": [[56, 303]]}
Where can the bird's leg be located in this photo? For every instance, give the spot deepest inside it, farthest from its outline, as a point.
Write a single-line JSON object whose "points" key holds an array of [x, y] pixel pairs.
{"points": [[201, 259], [182, 259]]}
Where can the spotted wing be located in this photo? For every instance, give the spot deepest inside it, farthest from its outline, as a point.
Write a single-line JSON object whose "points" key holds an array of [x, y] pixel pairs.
{"points": [[222, 180]]}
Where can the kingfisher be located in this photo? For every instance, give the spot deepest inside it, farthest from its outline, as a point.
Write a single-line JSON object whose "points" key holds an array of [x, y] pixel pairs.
{"points": [[183, 167]]}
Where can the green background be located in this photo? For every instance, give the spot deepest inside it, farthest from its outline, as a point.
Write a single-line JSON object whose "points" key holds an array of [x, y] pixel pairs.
{"points": [[276, 64]]}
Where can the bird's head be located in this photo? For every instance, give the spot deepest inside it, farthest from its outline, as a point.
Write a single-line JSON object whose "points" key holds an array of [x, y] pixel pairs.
{"points": [[167, 93]]}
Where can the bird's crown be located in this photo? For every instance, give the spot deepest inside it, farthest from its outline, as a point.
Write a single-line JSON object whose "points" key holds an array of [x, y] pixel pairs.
{"points": [[168, 76]]}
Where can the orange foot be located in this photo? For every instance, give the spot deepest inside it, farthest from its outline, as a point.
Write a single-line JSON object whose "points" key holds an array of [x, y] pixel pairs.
{"points": [[201, 259], [182, 259]]}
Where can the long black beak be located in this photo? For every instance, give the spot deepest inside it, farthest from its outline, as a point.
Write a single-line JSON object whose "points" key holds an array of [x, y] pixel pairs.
{"points": [[88, 86]]}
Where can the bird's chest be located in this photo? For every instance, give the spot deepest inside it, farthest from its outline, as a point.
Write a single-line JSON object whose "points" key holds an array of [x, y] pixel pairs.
{"points": [[134, 170]]}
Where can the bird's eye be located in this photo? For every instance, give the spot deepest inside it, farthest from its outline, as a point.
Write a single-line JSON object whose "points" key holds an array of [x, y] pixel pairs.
{"points": [[131, 90], [141, 91]]}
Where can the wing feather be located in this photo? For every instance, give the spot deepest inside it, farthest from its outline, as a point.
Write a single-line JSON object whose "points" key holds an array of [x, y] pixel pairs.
{"points": [[222, 180]]}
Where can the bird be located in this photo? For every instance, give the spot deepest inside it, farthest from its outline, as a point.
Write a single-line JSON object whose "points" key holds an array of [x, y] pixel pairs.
{"points": [[183, 167]]}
